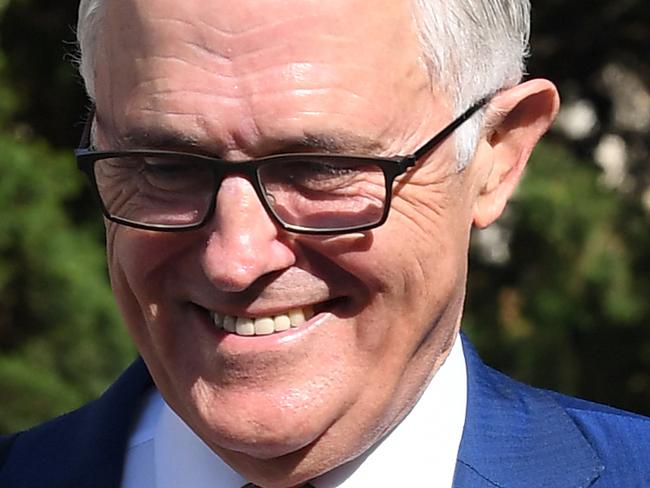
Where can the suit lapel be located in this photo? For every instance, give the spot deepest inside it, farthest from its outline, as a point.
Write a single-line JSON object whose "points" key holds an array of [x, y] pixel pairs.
{"points": [[517, 436], [84, 448]]}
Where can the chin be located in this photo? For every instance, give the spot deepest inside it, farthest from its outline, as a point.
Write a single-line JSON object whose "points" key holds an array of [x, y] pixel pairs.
{"points": [[263, 430], [258, 442]]}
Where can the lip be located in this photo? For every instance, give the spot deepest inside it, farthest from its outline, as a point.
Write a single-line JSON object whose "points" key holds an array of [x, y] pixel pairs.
{"points": [[270, 311], [323, 313]]}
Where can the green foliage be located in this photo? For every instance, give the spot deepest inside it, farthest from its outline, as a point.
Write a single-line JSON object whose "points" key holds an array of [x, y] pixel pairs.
{"points": [[569, 309], [29, 394], [8, 102], [60, 336], [61, 341]]}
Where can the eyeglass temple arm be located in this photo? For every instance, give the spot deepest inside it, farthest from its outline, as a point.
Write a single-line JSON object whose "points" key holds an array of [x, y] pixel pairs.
{"points": [[447, 131]]}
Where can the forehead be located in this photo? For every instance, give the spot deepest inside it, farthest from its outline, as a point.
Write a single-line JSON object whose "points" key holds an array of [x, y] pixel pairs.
{"points": [[242, 71]]}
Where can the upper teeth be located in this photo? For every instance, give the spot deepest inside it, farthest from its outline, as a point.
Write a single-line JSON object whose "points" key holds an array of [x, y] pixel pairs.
{"points": [[248, 326]]}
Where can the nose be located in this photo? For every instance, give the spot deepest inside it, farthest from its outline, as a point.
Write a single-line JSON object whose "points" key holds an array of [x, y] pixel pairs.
{"points": [[243, 244]]}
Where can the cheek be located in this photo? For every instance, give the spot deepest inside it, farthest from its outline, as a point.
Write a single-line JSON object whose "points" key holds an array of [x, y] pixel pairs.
{"points": [[139, 269], [416, 269], [123, 271], [434, 221], [424, 242], [139, 256]]}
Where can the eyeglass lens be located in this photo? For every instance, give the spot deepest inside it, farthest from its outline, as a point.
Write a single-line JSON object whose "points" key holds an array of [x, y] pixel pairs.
{"points": [[310, 192]]}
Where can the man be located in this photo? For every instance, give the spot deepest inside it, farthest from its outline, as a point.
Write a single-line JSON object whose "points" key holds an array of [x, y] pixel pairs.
{"points": [[295, 289]]}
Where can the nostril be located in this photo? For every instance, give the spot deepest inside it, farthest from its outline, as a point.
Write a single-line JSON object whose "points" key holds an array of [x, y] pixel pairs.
{"points": [[232, 273], [235, 262]]}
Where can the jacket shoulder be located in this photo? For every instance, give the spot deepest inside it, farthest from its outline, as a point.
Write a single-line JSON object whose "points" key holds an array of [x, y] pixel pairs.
{"points": [[83, 448], [6, 442], [549, 439], [620, 438]]}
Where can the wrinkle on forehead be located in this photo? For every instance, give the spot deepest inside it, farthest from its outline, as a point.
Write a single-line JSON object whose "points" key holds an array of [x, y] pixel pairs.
{"points": [[262, 66], [227, 29]]}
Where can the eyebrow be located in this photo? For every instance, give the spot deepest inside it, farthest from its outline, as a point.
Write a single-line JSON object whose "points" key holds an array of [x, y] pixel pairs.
{"points": [[336, 142], [158, 138]]}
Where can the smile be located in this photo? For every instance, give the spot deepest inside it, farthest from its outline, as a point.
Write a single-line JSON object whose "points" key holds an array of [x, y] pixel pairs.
{"points": [[257, 326]]}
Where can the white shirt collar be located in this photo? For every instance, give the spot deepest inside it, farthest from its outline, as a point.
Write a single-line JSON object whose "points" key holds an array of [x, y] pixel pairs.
{"points": [[422, 449]]}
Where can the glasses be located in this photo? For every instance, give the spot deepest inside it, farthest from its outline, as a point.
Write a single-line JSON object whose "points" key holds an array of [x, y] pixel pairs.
{"points": [[305, 193]]}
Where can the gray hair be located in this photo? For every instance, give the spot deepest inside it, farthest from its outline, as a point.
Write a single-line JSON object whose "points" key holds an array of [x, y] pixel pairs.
{"points": [[88, 25], [472, 48]]}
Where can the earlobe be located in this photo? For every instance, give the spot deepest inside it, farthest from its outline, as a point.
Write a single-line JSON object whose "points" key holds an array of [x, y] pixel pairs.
{"points": [[518, 117]]}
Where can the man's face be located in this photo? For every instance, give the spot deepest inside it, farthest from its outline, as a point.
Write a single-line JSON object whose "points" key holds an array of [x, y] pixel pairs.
{"points": [[243, 79]]}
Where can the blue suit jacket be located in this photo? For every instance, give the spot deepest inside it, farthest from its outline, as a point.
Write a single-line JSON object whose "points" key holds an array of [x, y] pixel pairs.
{"points": [[514, 436]]}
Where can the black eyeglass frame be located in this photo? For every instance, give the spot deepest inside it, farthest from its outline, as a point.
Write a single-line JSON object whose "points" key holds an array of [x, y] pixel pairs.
{"points": [[392, 167]]}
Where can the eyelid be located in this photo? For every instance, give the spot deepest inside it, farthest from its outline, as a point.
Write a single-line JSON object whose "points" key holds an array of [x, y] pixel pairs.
{"points": [[158, 161]]}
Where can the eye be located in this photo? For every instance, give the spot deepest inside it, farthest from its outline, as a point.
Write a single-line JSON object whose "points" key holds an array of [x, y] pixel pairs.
{"points": [[321, 176], [171, 175]]}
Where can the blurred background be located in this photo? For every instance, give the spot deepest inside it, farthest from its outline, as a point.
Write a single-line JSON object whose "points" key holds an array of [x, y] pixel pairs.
{"points": [[559, 290]]}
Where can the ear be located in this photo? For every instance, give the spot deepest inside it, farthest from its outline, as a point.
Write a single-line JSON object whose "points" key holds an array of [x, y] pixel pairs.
{"points": [[516, 120]]}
